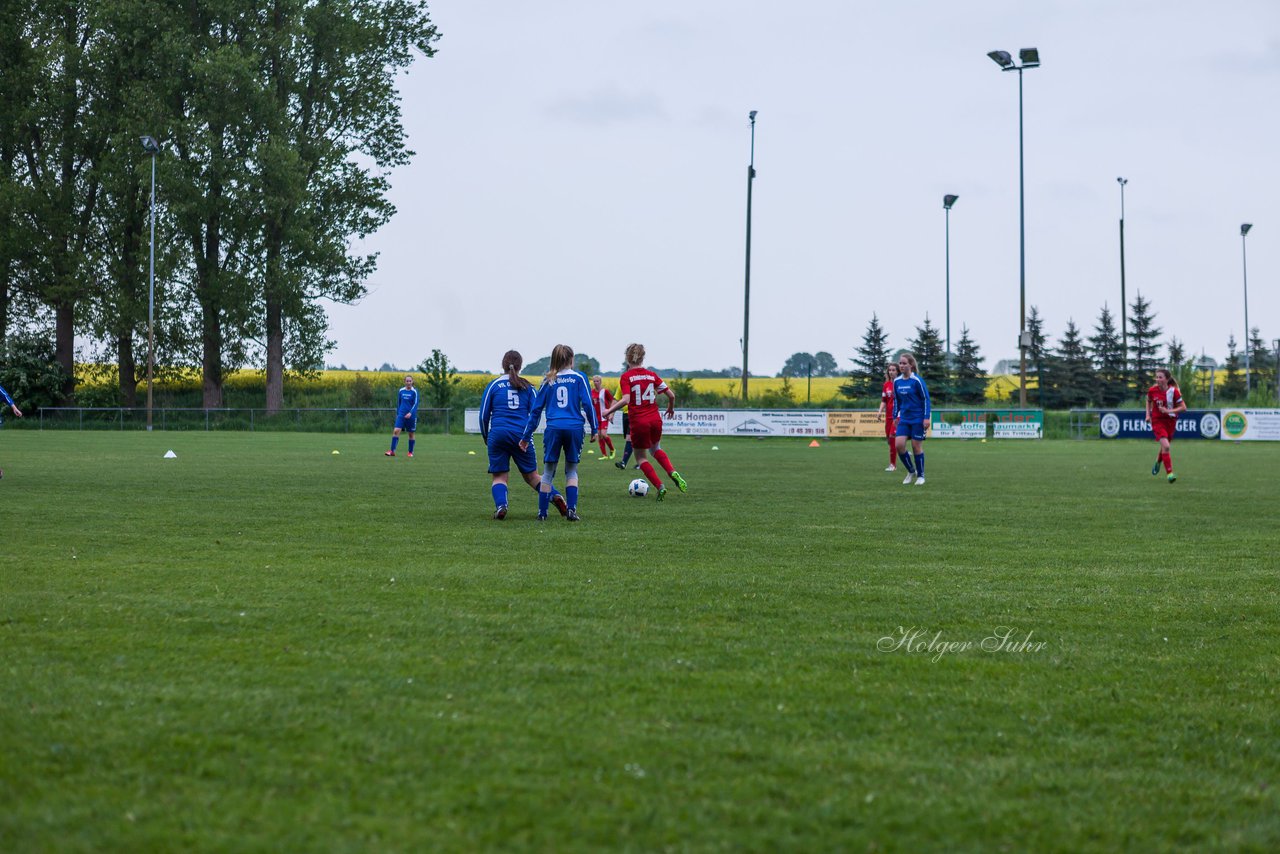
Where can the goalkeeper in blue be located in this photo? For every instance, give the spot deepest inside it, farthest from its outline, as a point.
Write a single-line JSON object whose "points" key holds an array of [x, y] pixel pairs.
{"points": [[504, 410], [566, 397], [406, 416], [13, 406], [912, 410]]}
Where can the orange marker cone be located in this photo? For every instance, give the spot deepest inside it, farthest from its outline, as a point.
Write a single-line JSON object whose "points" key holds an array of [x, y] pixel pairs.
{"points": [[814, 444]]}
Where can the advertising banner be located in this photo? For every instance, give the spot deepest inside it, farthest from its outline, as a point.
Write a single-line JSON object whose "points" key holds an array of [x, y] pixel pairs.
{"points": [[854, 423], [1017, 424], [1250, 425], [972, 424], [1133, 424], [726, 422]]}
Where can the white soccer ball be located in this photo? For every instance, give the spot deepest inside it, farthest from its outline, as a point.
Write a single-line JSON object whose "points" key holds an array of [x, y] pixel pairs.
{"points": [[638, 488]]}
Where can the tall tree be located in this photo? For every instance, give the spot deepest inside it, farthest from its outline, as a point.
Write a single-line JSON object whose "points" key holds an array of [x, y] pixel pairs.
{"points": [[332, 130], [1077, 381], [1177, 352], [869, 362], [1043, 361], [825, 365], [1107, 351], [1232, 379], [970, 380], [797, 365], [931, 359], [1143, 343], [63, 137], [1261, 360]]}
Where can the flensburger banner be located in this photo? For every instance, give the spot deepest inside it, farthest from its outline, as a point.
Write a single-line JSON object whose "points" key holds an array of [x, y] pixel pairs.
{"points": [[1250, 425], [1133, 424]]}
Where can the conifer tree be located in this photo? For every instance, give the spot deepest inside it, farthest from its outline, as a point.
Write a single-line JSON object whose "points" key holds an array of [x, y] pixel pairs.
{"points": [[1143, 343], [970, 380], [869, 362], [1077, 380], [931, 360], [1107, 353]]}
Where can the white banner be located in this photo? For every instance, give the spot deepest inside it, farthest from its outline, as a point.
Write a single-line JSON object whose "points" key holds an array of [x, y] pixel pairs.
{"points": [[1251, 425], [964, 430], [722, 422]]}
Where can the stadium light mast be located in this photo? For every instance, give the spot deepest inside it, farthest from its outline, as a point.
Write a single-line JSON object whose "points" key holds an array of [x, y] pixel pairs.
{"points": [[746, 287], [947, 201], [1030, 58], [1124, 328], [151, 147], [1244, 259]]}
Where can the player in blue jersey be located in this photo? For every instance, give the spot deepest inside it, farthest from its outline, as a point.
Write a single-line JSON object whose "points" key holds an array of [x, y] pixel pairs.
{"points": [[13, 406], [911, 408], [566, 397], [406, 416], [504, 410]]}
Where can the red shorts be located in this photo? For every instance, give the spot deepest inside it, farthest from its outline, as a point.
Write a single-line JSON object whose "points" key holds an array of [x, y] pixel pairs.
{"points": [[1163, 429], [646, 434]]}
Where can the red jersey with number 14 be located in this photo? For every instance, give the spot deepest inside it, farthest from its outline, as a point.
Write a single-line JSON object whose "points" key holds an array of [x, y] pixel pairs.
{"points": [[640, 388], [1169, 398]]}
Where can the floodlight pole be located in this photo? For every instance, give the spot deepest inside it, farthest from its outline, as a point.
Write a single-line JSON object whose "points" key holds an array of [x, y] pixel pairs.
{"points": [[1030, 59], [1124, 329], [1244, 259], [746, 288], [947, 201]]}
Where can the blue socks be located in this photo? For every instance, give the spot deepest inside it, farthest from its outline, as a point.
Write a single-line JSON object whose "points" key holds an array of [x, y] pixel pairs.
{"points": [[499, 495], [395, 440], [571, 496], [411, 443], [920, 464], [544, 501], [906, 461]]}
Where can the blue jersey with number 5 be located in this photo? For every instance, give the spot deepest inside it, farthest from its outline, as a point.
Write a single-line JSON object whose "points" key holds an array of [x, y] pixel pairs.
{"points": [[567, 400], [504, 408]]}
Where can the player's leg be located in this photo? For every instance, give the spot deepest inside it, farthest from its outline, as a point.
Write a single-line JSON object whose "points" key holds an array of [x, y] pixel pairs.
{"points": [[572, 456], [900, 441], [412, 437], [395, 440], [665, 461], [1166, 449], [627, 447], [893, 445], [917, 447]]}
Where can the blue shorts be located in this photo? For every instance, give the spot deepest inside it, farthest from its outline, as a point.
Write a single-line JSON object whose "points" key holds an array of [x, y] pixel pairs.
{"points": [[556, 438], [913, 430], [505, 446], [407, 422]]}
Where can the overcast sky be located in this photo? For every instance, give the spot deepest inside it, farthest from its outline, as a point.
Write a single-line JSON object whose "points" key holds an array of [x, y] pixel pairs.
{"points": [[581, 177]]}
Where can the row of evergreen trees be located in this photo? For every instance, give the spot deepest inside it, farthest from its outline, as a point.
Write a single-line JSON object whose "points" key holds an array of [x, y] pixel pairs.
{"points": [[1102, 369]]}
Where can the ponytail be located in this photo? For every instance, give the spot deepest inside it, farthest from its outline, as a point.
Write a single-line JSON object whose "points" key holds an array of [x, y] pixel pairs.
{"points": [[512, 362], [561, 359]]}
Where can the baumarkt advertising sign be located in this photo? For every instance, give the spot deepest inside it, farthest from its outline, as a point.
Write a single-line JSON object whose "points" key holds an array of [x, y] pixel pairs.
{"points": [[1017, 424], [1249, 425]]}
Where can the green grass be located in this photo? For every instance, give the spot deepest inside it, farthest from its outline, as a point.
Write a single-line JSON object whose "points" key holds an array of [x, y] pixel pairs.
{"points": [[263, 646]]}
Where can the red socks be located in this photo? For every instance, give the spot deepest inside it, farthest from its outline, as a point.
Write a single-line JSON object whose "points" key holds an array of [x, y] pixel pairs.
{"points": [[663, 460], [1168, 462], [647, 468]]}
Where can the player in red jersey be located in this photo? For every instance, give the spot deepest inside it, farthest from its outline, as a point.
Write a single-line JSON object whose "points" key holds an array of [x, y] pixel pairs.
{"points": [[602, 398], [886, 413], [1164, 402], [638, 391]]}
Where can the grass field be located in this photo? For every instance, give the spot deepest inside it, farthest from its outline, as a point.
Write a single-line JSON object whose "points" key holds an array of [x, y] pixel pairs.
{"points": [[264, 646]]}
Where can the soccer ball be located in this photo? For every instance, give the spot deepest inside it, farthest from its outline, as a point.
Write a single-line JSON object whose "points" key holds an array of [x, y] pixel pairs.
{"points": [[638, 488]]}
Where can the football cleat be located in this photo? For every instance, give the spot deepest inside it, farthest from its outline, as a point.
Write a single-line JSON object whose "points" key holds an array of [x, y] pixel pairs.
{"points": [[680, 484], [542, 517], [500, 513], [1155, 469], [1172, 477], [388, 453], [561, 504], [911, 476], [573, 516], [621, 465], [410, 455], [892, 468], [920, 481], [662, 492]]}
